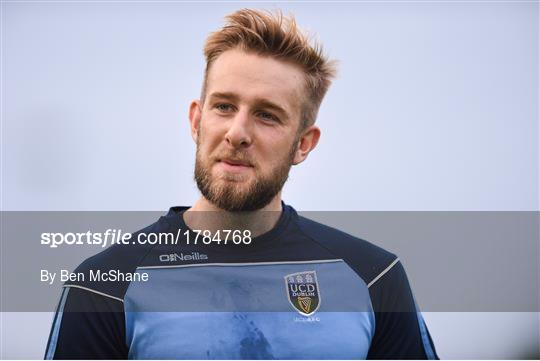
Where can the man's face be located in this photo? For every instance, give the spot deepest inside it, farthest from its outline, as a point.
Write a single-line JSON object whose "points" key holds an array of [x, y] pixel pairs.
{"points": [[247, 130]]}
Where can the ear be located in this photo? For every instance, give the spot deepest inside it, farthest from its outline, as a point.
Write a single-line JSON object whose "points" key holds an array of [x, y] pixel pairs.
{"points": [[194, 118], [306, 143]]}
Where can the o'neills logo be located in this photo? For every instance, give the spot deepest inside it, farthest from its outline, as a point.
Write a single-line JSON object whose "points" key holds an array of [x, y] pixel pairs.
{"points": [[173, 257], [303, 292]]}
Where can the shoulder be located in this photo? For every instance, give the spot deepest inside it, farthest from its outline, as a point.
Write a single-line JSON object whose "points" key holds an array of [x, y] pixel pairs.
{"points": [[121, 255], [116, 259], [364, 257], [381, 270]]}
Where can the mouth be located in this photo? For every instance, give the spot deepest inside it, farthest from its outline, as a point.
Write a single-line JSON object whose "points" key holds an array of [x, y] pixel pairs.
{"points": [[235, 162], [234, 165]]}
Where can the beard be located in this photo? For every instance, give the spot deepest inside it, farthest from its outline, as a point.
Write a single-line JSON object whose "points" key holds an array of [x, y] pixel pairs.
{"points": [[233, 196]]}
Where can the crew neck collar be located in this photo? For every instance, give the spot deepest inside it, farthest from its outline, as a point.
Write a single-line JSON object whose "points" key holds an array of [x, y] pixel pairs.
{"points": [[175, 218]]}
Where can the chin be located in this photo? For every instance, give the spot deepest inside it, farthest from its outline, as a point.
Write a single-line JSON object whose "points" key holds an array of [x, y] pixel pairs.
{"points": [[234, 178]]}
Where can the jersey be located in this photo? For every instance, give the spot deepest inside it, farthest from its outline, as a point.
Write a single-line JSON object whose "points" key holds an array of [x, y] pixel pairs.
{"points": [[303, 290]]}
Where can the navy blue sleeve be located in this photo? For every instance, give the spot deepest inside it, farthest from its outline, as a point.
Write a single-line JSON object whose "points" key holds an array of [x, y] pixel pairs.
{"points": [[400, 331], [87, 326], [89, 322]]}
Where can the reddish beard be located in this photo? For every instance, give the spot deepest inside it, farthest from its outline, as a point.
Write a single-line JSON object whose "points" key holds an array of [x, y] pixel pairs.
{"points": [[236, 196]]}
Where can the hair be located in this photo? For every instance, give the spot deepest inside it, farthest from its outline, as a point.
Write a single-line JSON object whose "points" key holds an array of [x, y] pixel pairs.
{"points": [[277, 36]]}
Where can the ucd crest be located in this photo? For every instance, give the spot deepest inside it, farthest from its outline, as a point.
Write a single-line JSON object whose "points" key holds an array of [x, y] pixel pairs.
{"points": [[303, 292]]}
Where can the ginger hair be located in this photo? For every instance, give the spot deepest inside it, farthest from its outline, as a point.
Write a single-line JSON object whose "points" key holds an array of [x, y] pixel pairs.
{"points": [[275, 35]]}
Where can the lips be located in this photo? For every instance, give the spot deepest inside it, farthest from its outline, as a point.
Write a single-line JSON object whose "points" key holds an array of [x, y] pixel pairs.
{"points": [[235, 162]]}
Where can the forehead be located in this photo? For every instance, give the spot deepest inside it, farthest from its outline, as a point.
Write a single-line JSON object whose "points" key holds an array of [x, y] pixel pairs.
{"points": [[251, 76]]}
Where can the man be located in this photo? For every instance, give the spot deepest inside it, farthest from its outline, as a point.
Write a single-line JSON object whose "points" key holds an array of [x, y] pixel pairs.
{"points": [[283, 287]]}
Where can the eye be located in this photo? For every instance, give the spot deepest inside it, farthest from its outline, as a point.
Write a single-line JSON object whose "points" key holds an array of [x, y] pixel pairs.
{"points": [[268, 116], [224, 107]]}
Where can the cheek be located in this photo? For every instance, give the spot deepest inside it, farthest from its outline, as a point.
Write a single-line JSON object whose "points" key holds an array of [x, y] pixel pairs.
{"points": [[276, 153], [208, 139]]}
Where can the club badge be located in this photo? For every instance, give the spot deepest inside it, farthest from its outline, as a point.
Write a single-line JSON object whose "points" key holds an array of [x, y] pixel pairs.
{"points": [[303, 292]]}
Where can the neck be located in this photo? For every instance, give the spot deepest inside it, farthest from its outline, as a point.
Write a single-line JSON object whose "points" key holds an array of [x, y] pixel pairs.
{"points": [[204, 215]]}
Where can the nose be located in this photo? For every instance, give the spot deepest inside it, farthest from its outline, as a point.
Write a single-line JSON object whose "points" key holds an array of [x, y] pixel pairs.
{"points": [[239, 133]]}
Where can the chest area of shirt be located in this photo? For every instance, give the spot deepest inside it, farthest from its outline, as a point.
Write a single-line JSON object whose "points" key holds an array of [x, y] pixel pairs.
{"points": [[294, 310]]}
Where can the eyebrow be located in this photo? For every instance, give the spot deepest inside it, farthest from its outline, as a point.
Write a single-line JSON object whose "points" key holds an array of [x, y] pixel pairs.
{"points": [[260, 102]]}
